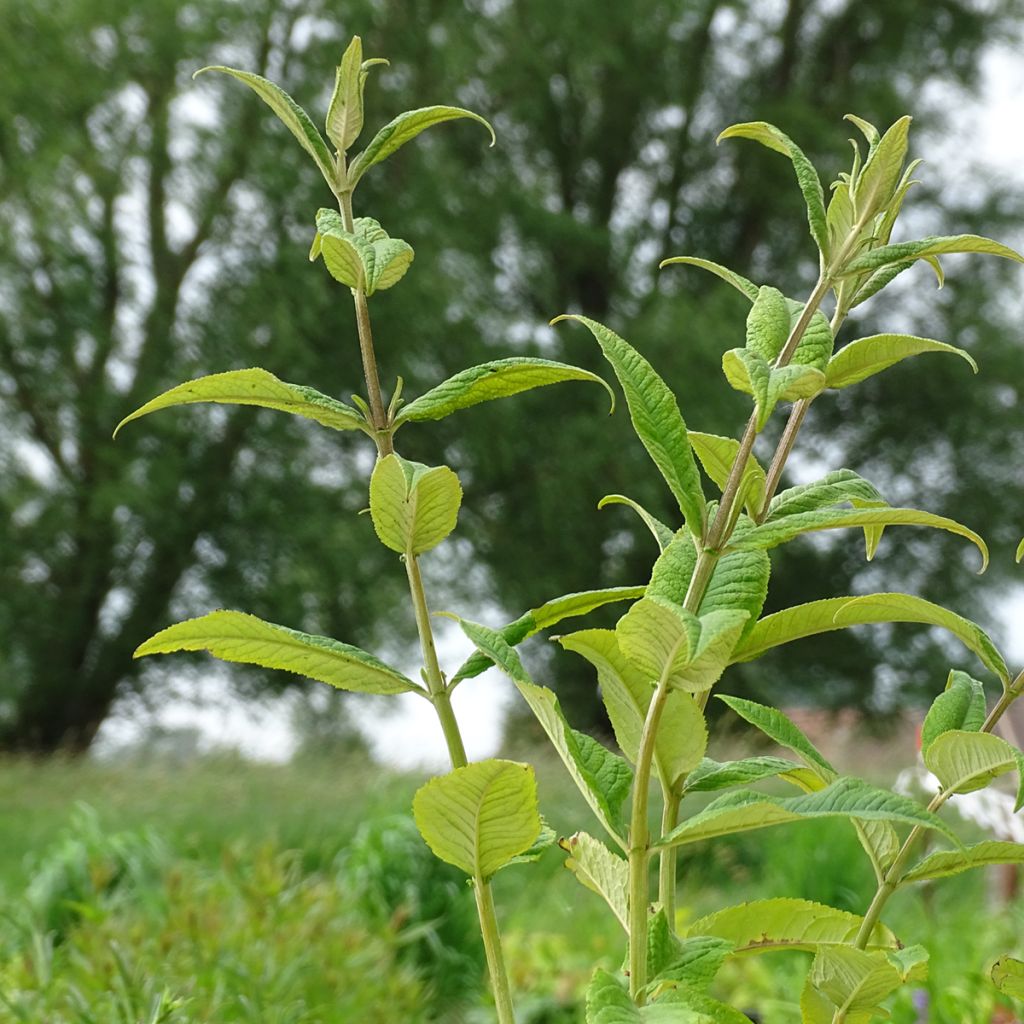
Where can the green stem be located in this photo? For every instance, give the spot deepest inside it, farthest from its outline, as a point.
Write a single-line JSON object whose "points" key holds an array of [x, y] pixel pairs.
{"points": [[717, 537], [439, 694], [782, 453], [492, 948], [891, 881], [640, 844], [667, 859]]}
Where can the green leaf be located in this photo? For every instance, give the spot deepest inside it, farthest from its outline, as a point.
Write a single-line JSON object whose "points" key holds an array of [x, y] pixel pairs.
{"points": [[602, 777], [601, 871], [931, 246], [257, 387], [740, 283], [745, 810], [717, 455], [946, 863], [877, 182], [480, 816], [770, 535], [867, 356], [402, 129], [498, 379], [1008, 976], [776, 726], [366, 257], [665, 642], [852, 983], [815, 348], [967, 761], [907, 608], [768, 324], [836, 488], [413, 507], [683, 735], [796, 623], [609, 1003], [1020, 552], [656, 419], [294, 118], [550, 613], [547, 838], [763, 926], [662, 534], [345, 114], [750, 373], [235, 636], [696, 962], [806, 176], [710, 775], [960, 706]]}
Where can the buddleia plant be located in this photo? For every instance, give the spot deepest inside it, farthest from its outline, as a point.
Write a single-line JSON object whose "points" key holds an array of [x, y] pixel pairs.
{"points": [[699, 613], [482, 816]]}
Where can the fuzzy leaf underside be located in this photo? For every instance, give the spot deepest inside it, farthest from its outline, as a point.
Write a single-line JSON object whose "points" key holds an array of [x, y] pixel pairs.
{"points": [[682, 737], [968, 761], [603, 778], [1008, 976], [656, 419], [946, 863], [746, 810], [480, 816], [865, 357], [500, 378], [601, 871], [238, 637], [257, 387], [294, 118], [550, 613], [772, 534], [717, 455], [766, 925], [402, 129], [413, 507]]}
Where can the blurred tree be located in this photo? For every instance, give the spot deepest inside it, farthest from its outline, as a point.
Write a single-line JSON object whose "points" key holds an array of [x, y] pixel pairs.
{"points": [[151, 230]]}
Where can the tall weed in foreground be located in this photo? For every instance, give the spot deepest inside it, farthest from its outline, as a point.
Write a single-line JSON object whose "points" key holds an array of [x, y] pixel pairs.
{"points": [[699, 612]]}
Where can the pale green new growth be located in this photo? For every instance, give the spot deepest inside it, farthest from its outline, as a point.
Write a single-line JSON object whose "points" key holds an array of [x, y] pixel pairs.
{"points": [[946, 863], [366, 258], [1008, 976], [480, 816], [235, 636], [413, 507], [967, 761], [257, 387], [865, 357]]}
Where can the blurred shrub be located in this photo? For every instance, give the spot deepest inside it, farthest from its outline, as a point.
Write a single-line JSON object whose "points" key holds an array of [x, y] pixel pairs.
{"points": [[398, 884]]}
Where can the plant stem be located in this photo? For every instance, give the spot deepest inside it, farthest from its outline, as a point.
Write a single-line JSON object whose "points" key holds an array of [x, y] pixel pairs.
{"points": [[717, 536], [640, 844], [891, 881], [667, 860], [492, 948], [439, 695], [782, 453]]}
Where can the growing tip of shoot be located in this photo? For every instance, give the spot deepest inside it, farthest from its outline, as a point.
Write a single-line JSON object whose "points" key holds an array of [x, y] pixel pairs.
{"points": [[1020, 553]]}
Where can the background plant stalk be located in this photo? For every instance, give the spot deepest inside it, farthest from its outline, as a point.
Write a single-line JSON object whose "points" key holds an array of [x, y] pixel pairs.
{"points": [[438, 692], [717, 536]]}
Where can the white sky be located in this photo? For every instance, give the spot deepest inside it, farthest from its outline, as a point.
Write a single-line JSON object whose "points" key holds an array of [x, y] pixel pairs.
{"points": [[404, 731]]}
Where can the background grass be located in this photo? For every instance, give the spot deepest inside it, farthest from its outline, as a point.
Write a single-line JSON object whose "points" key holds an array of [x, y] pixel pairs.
{"points": [[223, 891]]}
